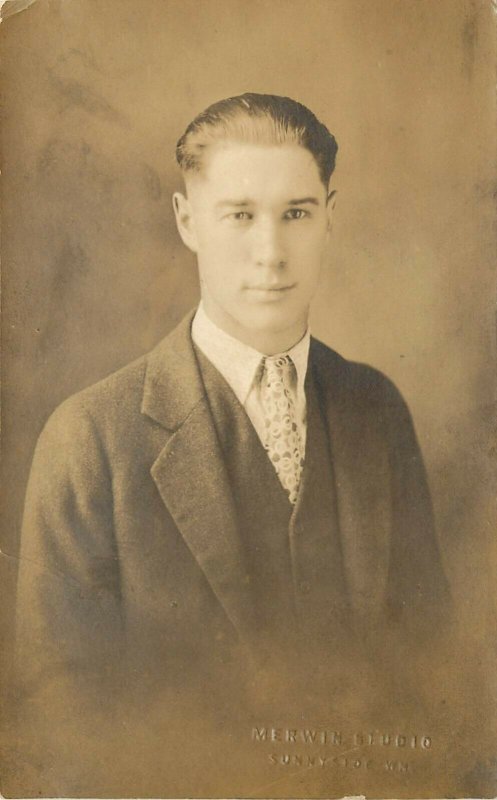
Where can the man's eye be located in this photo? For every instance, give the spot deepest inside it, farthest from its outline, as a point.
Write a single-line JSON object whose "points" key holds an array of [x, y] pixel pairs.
{"points": [[296, 213], [240, 216]]}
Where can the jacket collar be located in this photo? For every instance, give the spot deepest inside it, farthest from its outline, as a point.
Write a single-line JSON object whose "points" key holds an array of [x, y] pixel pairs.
{"points": [[173, 385]]}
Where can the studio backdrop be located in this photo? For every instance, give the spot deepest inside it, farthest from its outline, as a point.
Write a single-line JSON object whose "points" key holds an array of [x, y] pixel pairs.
{"points": [[96, 94]]}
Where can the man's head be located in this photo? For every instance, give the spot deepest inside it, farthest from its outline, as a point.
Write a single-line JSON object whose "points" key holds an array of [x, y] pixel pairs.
{"points": [[257, 213]]}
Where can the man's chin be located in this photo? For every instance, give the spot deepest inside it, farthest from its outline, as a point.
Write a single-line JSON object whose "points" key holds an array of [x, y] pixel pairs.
{"points": [[258, 323], [273, 317], [271, 327]]}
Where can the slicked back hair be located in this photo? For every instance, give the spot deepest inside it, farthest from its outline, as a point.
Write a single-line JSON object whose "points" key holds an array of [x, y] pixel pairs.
{"points": [[257, 119]]}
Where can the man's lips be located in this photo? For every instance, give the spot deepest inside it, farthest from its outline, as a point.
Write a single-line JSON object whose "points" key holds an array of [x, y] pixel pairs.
{"points": [[268, 293], [270, 288]]}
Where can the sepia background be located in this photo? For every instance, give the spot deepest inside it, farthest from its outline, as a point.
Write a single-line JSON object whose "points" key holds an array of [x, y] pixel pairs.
{"points": [[95, 95]]}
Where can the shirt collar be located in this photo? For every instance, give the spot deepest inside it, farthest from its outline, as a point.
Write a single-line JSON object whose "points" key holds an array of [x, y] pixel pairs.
{"points": [[236, 361]]}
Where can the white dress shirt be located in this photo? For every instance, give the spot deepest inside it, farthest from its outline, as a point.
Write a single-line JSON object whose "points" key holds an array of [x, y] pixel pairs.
{"points": [[239, 365]]}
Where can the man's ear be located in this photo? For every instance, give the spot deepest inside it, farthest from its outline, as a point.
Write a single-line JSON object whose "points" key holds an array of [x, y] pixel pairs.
{"points": [[330, 207], [184, 220]]}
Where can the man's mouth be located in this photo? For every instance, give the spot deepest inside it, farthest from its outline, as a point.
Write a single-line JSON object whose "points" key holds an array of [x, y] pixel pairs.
{"points": [[270, 287]]}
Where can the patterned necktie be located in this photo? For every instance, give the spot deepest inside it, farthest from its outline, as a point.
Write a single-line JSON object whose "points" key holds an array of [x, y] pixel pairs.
{"points": [[282, 438]]}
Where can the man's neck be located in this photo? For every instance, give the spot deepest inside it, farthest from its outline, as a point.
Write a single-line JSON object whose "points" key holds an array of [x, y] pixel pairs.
{"points": [[266, 342]]}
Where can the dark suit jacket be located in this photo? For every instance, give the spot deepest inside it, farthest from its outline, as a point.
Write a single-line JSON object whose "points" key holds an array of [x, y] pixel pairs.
{"points": [[130, 550]]}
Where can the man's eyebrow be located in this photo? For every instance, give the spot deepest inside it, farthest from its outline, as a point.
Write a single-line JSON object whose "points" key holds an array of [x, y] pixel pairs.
{"points": [[299, 201], [233, 203], [303, 200]]}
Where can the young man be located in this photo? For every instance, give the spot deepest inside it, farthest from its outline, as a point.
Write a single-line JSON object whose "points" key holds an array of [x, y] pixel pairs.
{"points": [[241, 494]]}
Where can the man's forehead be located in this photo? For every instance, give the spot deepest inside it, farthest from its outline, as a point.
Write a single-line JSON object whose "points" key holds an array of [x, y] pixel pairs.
{"points": [[242, 167]]}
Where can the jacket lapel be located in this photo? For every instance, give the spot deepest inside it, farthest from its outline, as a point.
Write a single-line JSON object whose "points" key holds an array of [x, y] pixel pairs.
{"points": [[362, 476], [190, 473]]}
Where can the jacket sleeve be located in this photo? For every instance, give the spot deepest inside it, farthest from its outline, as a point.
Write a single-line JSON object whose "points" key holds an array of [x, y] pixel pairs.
{"points": [[418, 587], [69, 627]]}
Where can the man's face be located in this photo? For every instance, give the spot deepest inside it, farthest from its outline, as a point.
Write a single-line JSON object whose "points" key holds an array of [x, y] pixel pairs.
{"points": [[258, 219]]}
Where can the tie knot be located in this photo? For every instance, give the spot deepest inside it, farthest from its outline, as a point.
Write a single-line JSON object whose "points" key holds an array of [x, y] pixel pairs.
{"points": [[279, 361], [281, 367], [278, 374]]}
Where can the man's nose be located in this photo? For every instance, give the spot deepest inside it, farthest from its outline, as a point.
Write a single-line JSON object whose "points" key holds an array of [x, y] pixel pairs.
{"points": [[269, 248]]}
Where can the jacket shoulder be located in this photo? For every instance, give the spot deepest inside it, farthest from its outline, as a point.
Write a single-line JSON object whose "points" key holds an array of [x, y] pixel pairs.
{"points": [[352, 380], [112, 401], [119, 388], [116, 401]]}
